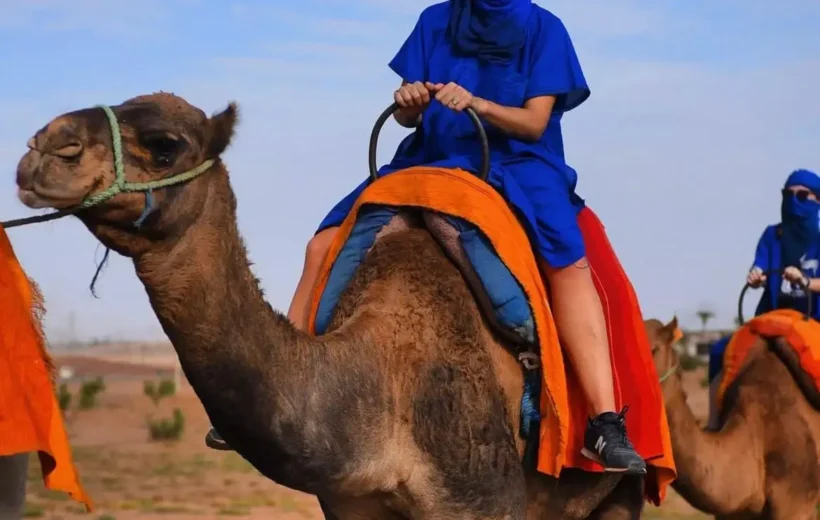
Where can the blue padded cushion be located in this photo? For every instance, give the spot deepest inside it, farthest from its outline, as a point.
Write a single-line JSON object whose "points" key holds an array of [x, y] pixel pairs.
{"points": [[512, 309], [508, 298], [370, 220]]}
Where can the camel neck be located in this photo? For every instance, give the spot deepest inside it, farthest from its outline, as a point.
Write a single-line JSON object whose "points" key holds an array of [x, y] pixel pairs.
{"points": [[208, 301], [705, 460], [250, 367]]}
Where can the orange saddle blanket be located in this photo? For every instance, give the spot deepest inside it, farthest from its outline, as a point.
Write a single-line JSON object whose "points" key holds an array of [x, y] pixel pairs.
{"points": [[30, 418], [802, 335], [563, 405]]}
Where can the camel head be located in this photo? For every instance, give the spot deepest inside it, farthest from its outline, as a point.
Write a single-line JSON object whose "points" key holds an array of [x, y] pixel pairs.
{"points": [[70, 162], [662, 337]]}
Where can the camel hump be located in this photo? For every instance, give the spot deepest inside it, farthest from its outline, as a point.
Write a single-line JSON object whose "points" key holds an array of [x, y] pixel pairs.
{"points": [[794, 339], [803, 366], [497, 292]]}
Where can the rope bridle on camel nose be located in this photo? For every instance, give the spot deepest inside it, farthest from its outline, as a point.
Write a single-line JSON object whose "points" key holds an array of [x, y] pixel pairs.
{"points": [[671, 370], [120, 185]]}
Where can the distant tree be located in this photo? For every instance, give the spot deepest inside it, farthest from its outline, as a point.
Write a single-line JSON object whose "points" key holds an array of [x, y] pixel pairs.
{"points": [[705, 316]]}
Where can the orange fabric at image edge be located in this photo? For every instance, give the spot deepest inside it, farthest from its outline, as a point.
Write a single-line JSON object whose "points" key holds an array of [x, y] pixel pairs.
{"points": [[564, 410], [30, 417]]}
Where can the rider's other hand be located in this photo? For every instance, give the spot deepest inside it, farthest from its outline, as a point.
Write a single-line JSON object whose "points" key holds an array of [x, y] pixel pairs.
{"points": [[453, 96], [794, 275], [414, 95], [756, 278]]}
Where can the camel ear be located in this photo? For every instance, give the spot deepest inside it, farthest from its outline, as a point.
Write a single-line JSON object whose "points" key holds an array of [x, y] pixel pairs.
{"points": [[221, 129], [672, 332]]}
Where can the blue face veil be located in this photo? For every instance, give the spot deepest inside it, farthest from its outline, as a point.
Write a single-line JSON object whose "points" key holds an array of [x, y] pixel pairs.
{"points": [[800, 218], [492, 30]]}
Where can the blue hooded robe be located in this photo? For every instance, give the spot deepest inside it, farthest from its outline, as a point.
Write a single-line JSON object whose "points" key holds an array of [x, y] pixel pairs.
{"points": [[794, 242], [506, 51]]}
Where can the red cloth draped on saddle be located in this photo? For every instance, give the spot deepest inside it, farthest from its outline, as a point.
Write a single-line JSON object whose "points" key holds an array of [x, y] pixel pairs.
{"points": [[30, 418], [802, 335], [563, 405]]}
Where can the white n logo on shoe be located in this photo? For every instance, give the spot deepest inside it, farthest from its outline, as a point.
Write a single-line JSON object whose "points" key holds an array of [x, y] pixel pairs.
{"points": [[600, 444]]}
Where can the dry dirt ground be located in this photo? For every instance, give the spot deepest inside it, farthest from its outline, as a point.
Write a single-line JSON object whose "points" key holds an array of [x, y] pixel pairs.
{"points": [[130, 477]]}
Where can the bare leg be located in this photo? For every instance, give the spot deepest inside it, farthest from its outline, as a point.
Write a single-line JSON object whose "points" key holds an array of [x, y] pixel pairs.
{"points": [[713, 423], [314, 257], [13, 473], [582, 327]]}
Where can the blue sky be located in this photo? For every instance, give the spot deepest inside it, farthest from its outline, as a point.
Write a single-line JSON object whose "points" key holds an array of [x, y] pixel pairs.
{"points": [[699, 110]]}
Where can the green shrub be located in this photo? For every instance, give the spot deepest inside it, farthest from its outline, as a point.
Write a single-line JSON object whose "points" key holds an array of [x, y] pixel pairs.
{"points": [[89, 392], [167, 429], [158, 392], [32, 510], [64, 397]]}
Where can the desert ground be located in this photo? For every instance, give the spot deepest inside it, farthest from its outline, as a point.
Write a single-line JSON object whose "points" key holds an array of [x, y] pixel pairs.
{"points": [[131, 477]]}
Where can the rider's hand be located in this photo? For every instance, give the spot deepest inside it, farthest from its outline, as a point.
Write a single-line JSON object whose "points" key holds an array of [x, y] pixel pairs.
{"points": [[413, 95], [794, 275], [453, 96], [756, 278]]}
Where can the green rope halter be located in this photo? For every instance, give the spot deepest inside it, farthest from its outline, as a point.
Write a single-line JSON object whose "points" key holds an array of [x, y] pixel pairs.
{"points": [[120, 185], [668, 373]]}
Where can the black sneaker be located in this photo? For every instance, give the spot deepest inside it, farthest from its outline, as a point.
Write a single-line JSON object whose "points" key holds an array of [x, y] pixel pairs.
{"points": [[606, 443], [215, 441]]}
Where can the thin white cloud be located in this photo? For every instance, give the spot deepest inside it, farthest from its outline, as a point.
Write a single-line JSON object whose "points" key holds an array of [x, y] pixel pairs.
{"points": [[123, 20]]}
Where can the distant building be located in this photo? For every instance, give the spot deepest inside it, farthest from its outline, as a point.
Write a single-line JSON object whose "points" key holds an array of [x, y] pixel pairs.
{"points": [[696, 342]]}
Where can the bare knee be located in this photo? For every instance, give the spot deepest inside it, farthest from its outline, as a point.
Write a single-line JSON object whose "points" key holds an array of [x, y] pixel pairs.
{"points": [[318, 247]]}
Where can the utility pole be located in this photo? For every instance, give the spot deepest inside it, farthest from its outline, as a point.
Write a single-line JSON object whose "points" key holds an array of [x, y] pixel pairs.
{"points": [[72, 330]]}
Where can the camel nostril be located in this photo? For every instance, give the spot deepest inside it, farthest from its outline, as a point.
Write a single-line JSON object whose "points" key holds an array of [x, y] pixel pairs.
{"points": [[31, 144], [70, 150]]}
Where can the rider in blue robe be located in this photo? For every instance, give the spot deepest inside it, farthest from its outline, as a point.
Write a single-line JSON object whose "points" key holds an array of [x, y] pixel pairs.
{"points": [[508, 52], [533, 176], [794, 242]]}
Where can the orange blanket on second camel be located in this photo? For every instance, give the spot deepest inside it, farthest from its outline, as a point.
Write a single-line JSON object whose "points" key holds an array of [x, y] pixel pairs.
{"points": [[801, 334], [30, 418], [563, 405]]}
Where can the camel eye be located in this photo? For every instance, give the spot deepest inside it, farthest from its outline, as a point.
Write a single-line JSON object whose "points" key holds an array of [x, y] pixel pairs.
{"points": [[164, 148]]}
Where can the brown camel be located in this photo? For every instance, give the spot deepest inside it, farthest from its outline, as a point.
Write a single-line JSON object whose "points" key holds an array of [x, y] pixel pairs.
{"points": [[408, 408], [763, 461]]}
